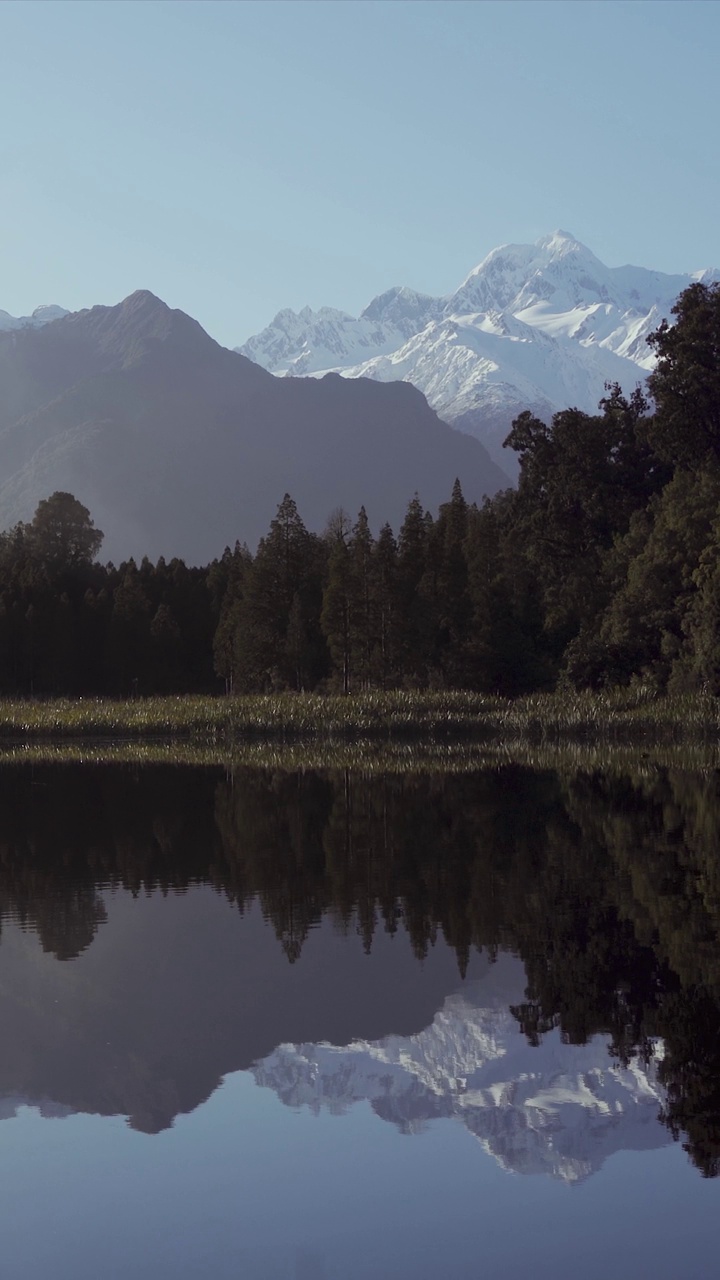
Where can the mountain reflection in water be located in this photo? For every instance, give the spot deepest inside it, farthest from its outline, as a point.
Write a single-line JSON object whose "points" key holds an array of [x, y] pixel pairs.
{"points": [[557, 1109], [568, 1000]]}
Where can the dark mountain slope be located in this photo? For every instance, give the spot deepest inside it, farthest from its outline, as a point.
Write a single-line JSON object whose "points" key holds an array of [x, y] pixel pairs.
{"points": [[179, 446]]}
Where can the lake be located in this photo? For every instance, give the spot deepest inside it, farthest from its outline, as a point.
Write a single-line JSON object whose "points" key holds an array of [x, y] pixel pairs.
{"points": [[324, 1025]]}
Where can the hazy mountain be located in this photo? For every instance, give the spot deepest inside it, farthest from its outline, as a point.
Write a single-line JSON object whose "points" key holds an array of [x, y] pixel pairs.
{"points": [[41, 315], [540, 326], [179, 446]]}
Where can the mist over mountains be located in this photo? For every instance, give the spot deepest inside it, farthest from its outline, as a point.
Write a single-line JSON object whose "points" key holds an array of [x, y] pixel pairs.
{"points": [[180, 447], [540, 327]]}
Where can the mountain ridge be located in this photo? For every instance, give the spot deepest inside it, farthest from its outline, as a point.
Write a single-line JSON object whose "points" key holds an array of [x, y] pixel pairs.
{"points": [[540, 327], [179, 446]]}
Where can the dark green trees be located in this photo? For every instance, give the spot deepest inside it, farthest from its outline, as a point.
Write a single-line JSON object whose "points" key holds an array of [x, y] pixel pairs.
{"points": [[685, 385], [274, 635], [62, 533], [355, 617], [601, 568]]}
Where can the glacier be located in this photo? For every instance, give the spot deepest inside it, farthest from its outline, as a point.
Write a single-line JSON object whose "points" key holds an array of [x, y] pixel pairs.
{"points": [[540, 327]]}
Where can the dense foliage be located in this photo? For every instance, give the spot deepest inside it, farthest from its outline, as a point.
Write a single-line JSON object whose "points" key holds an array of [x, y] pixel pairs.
{"points": [[600, 569]]}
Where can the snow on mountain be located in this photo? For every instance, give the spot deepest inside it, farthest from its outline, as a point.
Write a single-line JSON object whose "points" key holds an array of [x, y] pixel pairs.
{"points": [[539, 327], [557, 1109], [314, 341], [41, 315], [491, 363]]}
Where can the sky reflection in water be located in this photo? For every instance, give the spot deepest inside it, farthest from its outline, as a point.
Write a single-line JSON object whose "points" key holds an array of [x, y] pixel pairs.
{"points": [[256, 1148]]}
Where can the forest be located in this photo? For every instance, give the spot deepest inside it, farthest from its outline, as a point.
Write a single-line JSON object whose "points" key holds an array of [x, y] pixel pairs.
{"points": [[601, 569]]}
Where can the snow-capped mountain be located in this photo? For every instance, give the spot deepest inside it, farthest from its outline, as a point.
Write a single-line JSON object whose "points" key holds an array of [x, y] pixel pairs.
{"points": [[540, 326], [557, 1109], [327, 339], [40, 316]]}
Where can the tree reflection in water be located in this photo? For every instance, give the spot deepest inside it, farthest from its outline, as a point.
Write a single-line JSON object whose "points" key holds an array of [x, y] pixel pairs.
{"points": [[605, 884]]}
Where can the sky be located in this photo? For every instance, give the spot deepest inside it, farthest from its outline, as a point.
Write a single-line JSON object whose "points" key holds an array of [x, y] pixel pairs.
{"points": [[237, 158]]}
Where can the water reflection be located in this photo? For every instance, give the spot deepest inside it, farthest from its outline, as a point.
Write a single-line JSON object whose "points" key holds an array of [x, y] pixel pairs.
{"points": [[212, 923], [555, 1109]]}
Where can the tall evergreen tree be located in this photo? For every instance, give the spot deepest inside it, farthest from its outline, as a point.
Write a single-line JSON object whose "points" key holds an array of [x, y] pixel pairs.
{"points": [[288, 563], [129, 647], [415, 623], [228, 581], [385, 579], [363, 605]]}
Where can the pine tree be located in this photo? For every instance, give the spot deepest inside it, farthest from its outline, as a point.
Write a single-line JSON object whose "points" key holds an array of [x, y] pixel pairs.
{"points": [[451, 604], [414, 629], [335, 618], [288, 563], [227, 584], [385, 575], [362, 600], [129, 642]]}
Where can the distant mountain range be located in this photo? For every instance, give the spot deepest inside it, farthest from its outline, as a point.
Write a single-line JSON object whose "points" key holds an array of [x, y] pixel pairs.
{"points": [[541, 327], [179, 447]]}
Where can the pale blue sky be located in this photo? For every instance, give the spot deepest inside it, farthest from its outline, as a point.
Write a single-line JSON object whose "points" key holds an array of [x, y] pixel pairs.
{"points": [[236, 158]]}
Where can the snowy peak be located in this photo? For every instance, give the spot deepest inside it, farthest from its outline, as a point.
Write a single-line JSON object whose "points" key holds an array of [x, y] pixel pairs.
{"points": [[557, 267], [40, 316], [328, 340], [540, 326], [404, 309]]}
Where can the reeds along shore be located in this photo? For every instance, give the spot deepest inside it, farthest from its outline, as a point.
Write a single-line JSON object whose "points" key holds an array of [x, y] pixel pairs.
{"points": [[637, 715]]}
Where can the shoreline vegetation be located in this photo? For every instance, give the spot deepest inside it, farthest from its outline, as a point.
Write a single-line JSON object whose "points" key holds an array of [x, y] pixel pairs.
{"points": [[444, 723], [368, 760]]}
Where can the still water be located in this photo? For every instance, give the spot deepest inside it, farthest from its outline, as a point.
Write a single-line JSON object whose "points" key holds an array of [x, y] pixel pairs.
{"points": [[324, 1026]]}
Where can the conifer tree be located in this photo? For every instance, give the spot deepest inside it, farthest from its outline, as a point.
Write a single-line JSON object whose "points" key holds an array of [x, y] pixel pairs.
{"points": [[129, 635], [452, 607], [414, 615], [362, 600], [335, 618], [227, 583], [288, 563], [385, 575]]}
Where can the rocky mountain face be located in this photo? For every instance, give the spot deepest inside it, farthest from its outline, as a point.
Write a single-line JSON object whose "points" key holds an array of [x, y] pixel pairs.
{"points": [[179, 447], [538, 327], [556, 1109]]}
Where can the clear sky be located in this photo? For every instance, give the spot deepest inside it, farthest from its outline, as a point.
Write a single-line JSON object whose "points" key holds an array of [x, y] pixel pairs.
{"points": [[237, 158]]}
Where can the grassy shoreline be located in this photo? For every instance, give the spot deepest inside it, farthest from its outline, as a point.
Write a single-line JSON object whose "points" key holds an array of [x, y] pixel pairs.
{"points": [[623, 717], [367, 757]]}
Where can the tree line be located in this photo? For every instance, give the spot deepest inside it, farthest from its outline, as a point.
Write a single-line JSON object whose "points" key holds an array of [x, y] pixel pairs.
{"points": [[601, 568]]}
